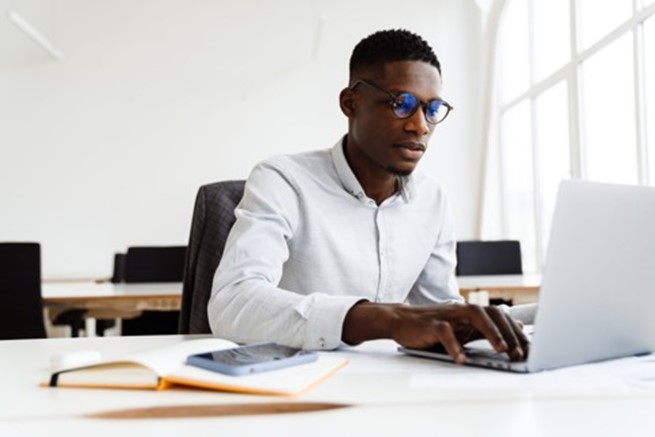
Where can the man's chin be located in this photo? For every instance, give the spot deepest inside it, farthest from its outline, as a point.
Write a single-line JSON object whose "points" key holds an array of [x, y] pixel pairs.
{"points": [[402, 172]]}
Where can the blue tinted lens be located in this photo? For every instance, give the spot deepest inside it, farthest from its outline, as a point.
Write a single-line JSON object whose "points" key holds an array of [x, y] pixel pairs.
{"points": [[405, 105], [435, 110]]}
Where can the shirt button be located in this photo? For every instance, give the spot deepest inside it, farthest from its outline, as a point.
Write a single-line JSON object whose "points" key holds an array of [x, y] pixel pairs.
{"points": [[321, 342]]}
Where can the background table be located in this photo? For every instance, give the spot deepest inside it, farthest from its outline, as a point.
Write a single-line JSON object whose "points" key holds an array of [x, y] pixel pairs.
{"points": [[110, 301], [147, 296], [168, 296], [518, 288]]}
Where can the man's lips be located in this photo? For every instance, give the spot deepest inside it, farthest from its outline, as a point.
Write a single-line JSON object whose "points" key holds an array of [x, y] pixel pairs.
{"points": [[412, 145], [410, 150]]}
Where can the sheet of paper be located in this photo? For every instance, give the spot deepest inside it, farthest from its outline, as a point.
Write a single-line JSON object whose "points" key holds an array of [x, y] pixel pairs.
{"points": [[613, 376]]}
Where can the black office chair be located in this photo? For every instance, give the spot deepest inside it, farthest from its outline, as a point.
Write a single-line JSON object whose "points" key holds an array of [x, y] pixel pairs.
{"points": [[20, 291], [153, 264], [118, 274], [502, 257], [213, 217]]}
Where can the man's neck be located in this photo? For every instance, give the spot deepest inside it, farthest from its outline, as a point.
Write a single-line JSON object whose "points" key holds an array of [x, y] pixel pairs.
{"points": [[382, 190], [379, 184]]}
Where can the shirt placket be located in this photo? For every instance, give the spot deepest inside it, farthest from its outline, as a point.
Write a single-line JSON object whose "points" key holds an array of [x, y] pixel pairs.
{"points": [[383, 253]]}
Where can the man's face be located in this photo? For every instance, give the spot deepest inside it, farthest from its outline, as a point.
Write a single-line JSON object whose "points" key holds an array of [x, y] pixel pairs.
{"points": [[378, 141]]}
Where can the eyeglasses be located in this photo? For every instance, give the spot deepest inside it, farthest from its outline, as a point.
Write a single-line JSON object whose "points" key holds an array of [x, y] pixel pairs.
{"points": [[405, 104]]}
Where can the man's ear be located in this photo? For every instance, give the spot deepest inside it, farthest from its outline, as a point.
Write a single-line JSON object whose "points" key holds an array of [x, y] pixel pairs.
{"points": [[347, 102]]}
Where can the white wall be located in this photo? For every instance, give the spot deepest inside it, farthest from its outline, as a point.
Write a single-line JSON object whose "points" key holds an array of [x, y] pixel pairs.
{"points": [[107, 147]]}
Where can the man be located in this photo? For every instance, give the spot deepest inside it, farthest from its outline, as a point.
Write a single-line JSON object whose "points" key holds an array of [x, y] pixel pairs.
{"points": [[351, 244]]}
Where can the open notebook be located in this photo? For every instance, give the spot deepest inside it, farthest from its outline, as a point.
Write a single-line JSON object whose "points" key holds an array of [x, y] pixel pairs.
{"points": [[598, 287], [163, 367]]}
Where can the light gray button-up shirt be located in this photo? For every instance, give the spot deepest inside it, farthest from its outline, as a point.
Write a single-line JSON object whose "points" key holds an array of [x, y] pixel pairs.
{"points": [[308, 244]]}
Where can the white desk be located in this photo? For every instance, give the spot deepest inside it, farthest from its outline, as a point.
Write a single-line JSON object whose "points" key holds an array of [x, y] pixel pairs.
{"points": [[391, 395]]}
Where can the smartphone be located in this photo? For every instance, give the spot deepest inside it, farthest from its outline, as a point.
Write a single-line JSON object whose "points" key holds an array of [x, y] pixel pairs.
{"points": [[251, 358]]}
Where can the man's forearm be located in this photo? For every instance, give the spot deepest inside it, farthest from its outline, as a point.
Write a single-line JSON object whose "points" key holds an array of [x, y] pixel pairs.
{"points": [[368, 321]]}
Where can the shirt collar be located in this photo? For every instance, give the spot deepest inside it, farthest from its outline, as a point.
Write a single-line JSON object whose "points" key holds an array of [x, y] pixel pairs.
{"points": [[351, 184]]}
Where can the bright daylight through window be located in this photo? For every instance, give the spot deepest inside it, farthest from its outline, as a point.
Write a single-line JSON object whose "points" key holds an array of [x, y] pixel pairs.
{"points": [[576, 98]]}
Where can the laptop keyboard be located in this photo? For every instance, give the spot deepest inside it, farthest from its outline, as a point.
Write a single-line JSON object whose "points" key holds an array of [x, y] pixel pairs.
{"points": [[481, 349]]}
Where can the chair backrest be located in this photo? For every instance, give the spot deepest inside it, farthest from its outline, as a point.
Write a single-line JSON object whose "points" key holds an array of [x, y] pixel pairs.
{"points": [[502, 257], [155, 263], [20, 291], [213, 217], [118, 275]]}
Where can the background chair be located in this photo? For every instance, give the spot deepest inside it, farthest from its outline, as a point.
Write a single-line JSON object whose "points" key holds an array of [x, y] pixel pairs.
{"points": [[502, 257], [118, 274], [213, 217], [153, 264], [20, 291]]}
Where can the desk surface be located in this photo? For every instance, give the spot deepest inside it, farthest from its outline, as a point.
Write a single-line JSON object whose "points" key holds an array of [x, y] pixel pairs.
{"points": [[390, 395]]}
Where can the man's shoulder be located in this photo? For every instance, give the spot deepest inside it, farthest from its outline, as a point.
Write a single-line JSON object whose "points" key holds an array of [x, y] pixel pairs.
{"points": [[315, 164], [310, 158], [293, 176]]}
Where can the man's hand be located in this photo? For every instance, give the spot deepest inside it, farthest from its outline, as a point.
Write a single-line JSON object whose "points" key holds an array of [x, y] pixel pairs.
{"points": [[448, 325]]}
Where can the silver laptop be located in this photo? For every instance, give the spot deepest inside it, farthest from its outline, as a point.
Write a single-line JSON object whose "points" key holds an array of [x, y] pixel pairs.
{"points": [[597, 298]]}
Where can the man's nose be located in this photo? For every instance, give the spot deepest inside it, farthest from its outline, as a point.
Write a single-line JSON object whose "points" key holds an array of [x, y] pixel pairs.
{"points": [[417, 122]]}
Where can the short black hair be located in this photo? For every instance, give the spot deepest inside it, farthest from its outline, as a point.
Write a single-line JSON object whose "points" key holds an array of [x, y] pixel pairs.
{"points": [[385, 46]]}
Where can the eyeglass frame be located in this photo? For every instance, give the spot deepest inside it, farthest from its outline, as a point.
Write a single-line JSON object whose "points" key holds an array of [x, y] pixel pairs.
{"points": [[393, 97]]}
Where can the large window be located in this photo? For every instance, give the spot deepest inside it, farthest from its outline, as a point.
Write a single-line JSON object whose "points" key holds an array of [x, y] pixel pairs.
{"points": [[608, 105], [576, 99], [551, 35], [518, 177], [649, 115], [553, 155], [597, 19]]}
